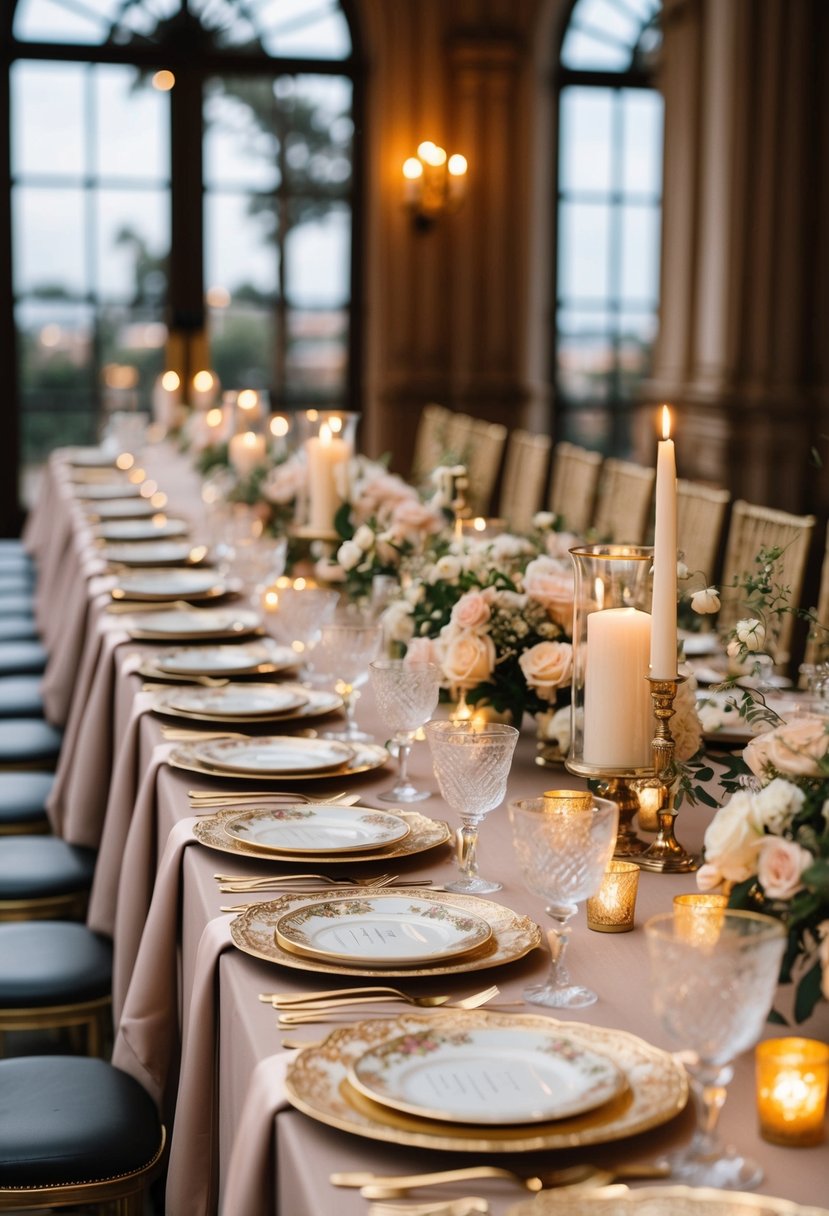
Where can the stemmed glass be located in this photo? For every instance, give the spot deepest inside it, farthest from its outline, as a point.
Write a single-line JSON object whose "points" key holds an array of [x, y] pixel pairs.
{"points": [[563, 852], [344, 652], [406, 694], [472, 763], [299, 618], [714, 974]]}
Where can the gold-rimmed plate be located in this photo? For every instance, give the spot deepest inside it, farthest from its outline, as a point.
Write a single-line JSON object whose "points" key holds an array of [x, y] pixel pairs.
{"points": [[253, 658], [366, 758], [382, 930], [659, 1201], [149, 553], [183, 626], [274, 755], [236, 700], [317, 704], [160, 585], [91, 458], [160, 527], [314, 828], [424, 834], [123, 508], [317, 1084], [108, 491], [513, 936]]}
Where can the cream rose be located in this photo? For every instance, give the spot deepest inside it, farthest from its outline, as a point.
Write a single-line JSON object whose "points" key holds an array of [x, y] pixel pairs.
{"points": [[422, 650], [776, 805], [364, 537], [708, 878], [706, 601], [548, 582], [472, 611], [731, 839], [779, 866], [412, 521], [349, 554], [796, 748], [547, 666], [467, 658], [823, 955]]}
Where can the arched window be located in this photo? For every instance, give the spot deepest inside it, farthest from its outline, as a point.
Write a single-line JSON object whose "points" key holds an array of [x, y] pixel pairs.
{"points": [[182, 176], [608, 218]]}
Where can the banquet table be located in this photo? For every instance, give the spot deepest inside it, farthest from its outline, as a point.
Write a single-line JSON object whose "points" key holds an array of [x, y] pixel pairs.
{"points": [[189, 1022]]}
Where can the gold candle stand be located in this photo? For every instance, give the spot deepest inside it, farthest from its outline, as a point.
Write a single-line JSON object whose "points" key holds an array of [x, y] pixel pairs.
{"points": [[666, 855], [618, 787]]}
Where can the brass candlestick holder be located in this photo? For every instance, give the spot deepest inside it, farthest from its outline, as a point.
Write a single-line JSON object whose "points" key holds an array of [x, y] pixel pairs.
{"points": [[665, 855], [620, 787]]}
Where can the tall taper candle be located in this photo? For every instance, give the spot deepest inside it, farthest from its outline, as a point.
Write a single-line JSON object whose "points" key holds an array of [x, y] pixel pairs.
{"points": [[663, 607]]}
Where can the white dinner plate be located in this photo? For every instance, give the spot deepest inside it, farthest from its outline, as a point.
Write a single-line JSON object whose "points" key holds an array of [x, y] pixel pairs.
{"points": [[155, 553], [385, 929], [695, 644], [237, 700], [273, 755], [169, 584], [160, 528], [497, 1075], [317, 828], [91, 458], [227, 660], [367, 758], [185, 626], [126, 508], [109, 491]]}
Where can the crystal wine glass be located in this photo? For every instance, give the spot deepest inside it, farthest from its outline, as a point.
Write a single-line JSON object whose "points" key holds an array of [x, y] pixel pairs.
{"points": [[406, 694], [300, 616], [471, 762], [713, 980], [563, 852], [344, 652]]}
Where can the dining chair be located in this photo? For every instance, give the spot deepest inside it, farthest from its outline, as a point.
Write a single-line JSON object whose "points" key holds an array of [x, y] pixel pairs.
{"points": [[525, 476], [75, 1132], [573, 485], [44, 878], [458, 438], [750, 529], [23, 797], [817, 642], [54, 975], [483, 463], [430, 441], [22, 658], [700, 514], [20, 696], [623, 504], [28, 743]]}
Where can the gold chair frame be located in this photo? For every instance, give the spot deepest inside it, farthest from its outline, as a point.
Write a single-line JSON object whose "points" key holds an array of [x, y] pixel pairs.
{"points": [[93, 1017], [69, 906]]}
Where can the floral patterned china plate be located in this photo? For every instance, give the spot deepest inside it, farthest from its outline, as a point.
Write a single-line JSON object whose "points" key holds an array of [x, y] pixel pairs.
{"points": [[317, 828], [274, 755], [149, 585], [513, 936], [423, 834], [659, 1201], [238, 700], [493, 1074], [387, 929], [253, 659], [366, 758], [142, 529], [184, 626], [315, 703], [318, 1084]]}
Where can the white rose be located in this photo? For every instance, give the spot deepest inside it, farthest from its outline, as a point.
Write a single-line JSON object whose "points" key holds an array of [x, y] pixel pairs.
{"points": [[708, 878], [681, 571], [731, 839], [780, 864], [556, 727], [547, 666], [544, 519], [776, 805], [706, 601], [397, 621], [349, 554], [467, 658], [823, 955], [446, 569], [364, 537], [751, 632]]}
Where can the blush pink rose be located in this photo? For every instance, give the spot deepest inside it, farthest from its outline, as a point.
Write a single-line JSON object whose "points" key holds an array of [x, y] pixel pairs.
{"points": [[547, 666], [472, 611], [412, 521], [422, 650], [779, 866], [795, 748], [467, 658], [552, 585]]}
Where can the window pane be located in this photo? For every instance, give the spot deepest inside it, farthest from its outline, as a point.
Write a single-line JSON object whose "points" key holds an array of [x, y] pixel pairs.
{"points": [[581, 50], [589, 428], [47, 107], [640, 254], [134, 338], [49, 241], [240, 252], [583, 250], [318, 258], [316, 112], [57, 381], [614, 21], [298, 28], [586, 139], [132, 240], [585, 367], [133, 123], [241, 143], [642, 147], [241, 345], [57, 21], [317, 353]]}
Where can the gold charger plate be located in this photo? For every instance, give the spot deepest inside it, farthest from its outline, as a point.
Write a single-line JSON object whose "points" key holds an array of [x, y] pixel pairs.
{"points": [[318, 704], [367, 756], [513, 936], [657, 1201], [424, 834], [317, 1084]]}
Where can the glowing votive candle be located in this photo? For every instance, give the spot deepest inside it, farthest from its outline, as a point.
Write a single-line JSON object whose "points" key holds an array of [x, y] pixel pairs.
{"points": [[700, 917], [792, 1078], [325, 452], [567, 800], [246, 452], [612, 908]]}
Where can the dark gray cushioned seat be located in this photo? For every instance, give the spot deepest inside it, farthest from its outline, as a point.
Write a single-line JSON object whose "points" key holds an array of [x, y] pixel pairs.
{"points": [[66, 1119], [20, 696], [14, 582], [28, 741], [18, 628], [23, 797], [52, 962], [34, 867], [21, 658], [17, 603]]}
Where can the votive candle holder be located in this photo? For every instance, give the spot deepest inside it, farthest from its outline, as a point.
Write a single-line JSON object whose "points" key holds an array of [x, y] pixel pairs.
{"points": [[567, 800], [792, 1079], [612, 908], [700, 916]]}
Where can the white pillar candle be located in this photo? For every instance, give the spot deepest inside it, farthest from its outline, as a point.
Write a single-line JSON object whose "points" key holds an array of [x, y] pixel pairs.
{"points": [[167, 400], [618, 722], [325, 453], [204, 389], [246, 452], [663, 664]]}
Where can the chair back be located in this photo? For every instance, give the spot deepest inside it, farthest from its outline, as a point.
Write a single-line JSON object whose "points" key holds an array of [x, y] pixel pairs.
{"points": [[525, 475], [750, 529], [573, 485], [700, 514], [483, 463], [624, 502], [430, 441], [817, 642]]}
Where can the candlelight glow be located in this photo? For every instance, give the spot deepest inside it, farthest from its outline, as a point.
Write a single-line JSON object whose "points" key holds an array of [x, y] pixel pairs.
{"points": [[335, 424], [666, 422], [159, 499], [792, 1076], [412, 169], [279, 426], [214, 417], [125, 461], [203, 381], [171, 381], [457, 165], [247, 399], [325, 433], [164, 80]]}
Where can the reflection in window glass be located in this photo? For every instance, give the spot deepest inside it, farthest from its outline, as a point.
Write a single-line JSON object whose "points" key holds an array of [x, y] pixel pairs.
{"points": [[47, 107], [242, 341], [57, 372]]}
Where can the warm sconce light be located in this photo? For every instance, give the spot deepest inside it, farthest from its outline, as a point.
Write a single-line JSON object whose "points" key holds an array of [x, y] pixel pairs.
{"points": [[434, 184]]}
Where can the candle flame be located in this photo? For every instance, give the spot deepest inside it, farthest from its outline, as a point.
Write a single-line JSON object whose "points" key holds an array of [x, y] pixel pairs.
{"points": [[325, 433], [249, 439], [666, 422]]}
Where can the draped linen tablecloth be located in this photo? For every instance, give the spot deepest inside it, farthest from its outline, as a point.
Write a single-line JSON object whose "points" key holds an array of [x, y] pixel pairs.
{"points": [[180, 990]]}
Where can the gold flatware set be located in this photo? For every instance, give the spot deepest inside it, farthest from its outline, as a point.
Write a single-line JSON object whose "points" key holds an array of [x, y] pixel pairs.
{"points": [[375, 1186]]}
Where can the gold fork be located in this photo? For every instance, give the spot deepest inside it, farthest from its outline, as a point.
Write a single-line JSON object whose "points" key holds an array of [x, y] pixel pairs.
{"points": [[469, 1205], [222, 797], [175, 734], [253, 884], [300, 1015]]}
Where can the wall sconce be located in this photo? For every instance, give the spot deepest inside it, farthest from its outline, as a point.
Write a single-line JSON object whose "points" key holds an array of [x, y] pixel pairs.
{"points": [[434, 184]]}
